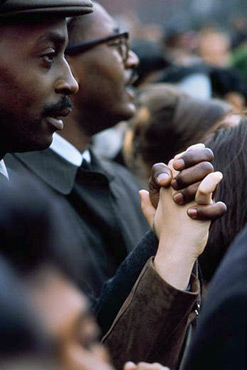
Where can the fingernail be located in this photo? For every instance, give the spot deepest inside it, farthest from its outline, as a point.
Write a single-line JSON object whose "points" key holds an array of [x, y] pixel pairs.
{"points": [[192, 212], [129, 365], [178, 164], [178, 198], [163, 177]]}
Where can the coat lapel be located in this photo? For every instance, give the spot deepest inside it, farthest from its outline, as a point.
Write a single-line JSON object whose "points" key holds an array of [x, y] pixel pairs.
{"points": [[42, 163]]}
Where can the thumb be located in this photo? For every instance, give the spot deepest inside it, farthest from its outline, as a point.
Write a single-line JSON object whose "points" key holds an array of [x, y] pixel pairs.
{"points": [[147, 208]]}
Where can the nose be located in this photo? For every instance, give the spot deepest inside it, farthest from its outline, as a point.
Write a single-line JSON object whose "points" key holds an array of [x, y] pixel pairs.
{"points": [[132, 61], [66, 84]]}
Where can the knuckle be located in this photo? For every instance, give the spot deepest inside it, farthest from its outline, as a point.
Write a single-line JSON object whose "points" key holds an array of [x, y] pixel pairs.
{"points": [[162, 164], [201, 193], [187, 195], [198, 155], [157, 167]]}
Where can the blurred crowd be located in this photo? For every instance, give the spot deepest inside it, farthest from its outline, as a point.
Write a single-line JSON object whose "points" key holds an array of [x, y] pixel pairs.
{"points": [[206, 61]]}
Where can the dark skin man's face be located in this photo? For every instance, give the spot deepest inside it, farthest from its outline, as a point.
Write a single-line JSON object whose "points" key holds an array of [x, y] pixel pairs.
{"points": [[104, 97], [35, 80]]}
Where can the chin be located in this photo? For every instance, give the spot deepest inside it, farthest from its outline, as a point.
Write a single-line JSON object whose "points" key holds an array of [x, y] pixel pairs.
{"points": [[129, 111], [34, 145]]}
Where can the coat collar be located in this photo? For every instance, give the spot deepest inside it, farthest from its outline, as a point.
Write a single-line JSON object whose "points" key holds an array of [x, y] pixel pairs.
{"points": [[51, 168], [57, 172]]}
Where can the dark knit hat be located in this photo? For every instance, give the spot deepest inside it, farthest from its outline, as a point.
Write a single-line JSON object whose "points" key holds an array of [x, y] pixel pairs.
{"points": [[66, 8]]}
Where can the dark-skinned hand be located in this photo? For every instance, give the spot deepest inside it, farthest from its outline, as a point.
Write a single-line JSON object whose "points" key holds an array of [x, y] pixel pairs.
{"points": [[193, 165]]}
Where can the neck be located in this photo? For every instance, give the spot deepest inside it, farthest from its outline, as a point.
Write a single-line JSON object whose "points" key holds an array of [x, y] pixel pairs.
{"points": [[73, 133]]}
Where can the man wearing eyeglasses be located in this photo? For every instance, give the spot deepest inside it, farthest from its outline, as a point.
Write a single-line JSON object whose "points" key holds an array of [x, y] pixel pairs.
{"points": [[103, 200], [100, 56]]}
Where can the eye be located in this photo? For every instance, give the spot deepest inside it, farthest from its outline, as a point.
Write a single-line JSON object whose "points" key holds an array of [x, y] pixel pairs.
{"points": [[116, 43], [88, 333], [89, 343], [48, 58]]}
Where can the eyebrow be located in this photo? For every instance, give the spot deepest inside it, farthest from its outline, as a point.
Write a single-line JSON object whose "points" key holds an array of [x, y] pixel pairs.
{"points": [[55, 37]]}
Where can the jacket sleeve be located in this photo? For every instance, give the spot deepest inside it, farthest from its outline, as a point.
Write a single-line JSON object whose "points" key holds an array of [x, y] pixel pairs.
{"points": [[116, 290], [152, 323]]}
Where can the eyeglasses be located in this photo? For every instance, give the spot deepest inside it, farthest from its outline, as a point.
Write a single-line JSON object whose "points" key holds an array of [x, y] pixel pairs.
{"points": [[118, 40]]}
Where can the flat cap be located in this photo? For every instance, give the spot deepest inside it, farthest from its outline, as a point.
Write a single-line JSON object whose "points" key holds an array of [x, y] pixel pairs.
{"points": [[67, 8]]}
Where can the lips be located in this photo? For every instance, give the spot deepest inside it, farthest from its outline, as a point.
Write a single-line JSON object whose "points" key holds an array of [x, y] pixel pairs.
{"points": [[129, 85], [132, 79], [130, 91], [55, 120]]}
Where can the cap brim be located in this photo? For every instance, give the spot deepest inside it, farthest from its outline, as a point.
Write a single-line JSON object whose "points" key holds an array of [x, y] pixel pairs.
{"points": [[65, 8]]}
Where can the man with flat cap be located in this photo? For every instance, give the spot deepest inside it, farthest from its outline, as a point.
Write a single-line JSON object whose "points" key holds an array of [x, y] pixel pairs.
{"points": [[47, 7], [35, 78], [117, 202], [103, 202]]}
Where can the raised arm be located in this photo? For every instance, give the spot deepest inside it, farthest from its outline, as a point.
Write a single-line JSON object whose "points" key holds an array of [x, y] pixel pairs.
{"points": [[181, 239], [152, 323]]}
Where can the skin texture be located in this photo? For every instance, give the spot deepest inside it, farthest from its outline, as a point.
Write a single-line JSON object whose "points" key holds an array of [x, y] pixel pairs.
{"points": [[181, 239], [65, 314], [35, 80], [193, 165], [104, 97]]}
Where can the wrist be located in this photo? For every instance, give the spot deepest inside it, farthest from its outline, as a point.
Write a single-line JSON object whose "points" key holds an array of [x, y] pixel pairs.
{"points": [[175, 267]]}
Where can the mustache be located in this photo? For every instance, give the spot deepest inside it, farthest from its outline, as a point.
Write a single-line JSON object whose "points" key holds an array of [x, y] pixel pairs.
{"points": [[58, 108]]}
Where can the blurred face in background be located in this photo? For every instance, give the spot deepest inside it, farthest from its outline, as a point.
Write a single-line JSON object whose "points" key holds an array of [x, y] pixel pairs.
{"points": [[65, 314], [214, 48], [104, 73]]}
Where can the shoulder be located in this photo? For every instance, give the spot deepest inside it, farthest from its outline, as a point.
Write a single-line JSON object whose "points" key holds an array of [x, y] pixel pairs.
{"points": [[119, 171]]}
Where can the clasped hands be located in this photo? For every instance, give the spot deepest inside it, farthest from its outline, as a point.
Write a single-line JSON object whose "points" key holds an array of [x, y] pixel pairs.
{"points": [[180, 207]]}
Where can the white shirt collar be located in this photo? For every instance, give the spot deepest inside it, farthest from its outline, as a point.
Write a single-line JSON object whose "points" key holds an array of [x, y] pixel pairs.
{"points": [[68, 151], [3, 169]]}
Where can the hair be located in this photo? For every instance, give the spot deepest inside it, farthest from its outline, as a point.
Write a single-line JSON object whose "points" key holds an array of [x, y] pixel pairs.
{"points": [[78, 27], [75, 31], [167, 121], [151, 60], [230, 157], [21, 333], [34, 231]]}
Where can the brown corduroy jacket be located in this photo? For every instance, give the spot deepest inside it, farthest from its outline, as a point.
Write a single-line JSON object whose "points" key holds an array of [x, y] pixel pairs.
{"points": [[152, 324]]}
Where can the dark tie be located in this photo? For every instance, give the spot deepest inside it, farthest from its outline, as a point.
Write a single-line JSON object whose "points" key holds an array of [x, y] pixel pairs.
{"points": [[85, 165]]}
